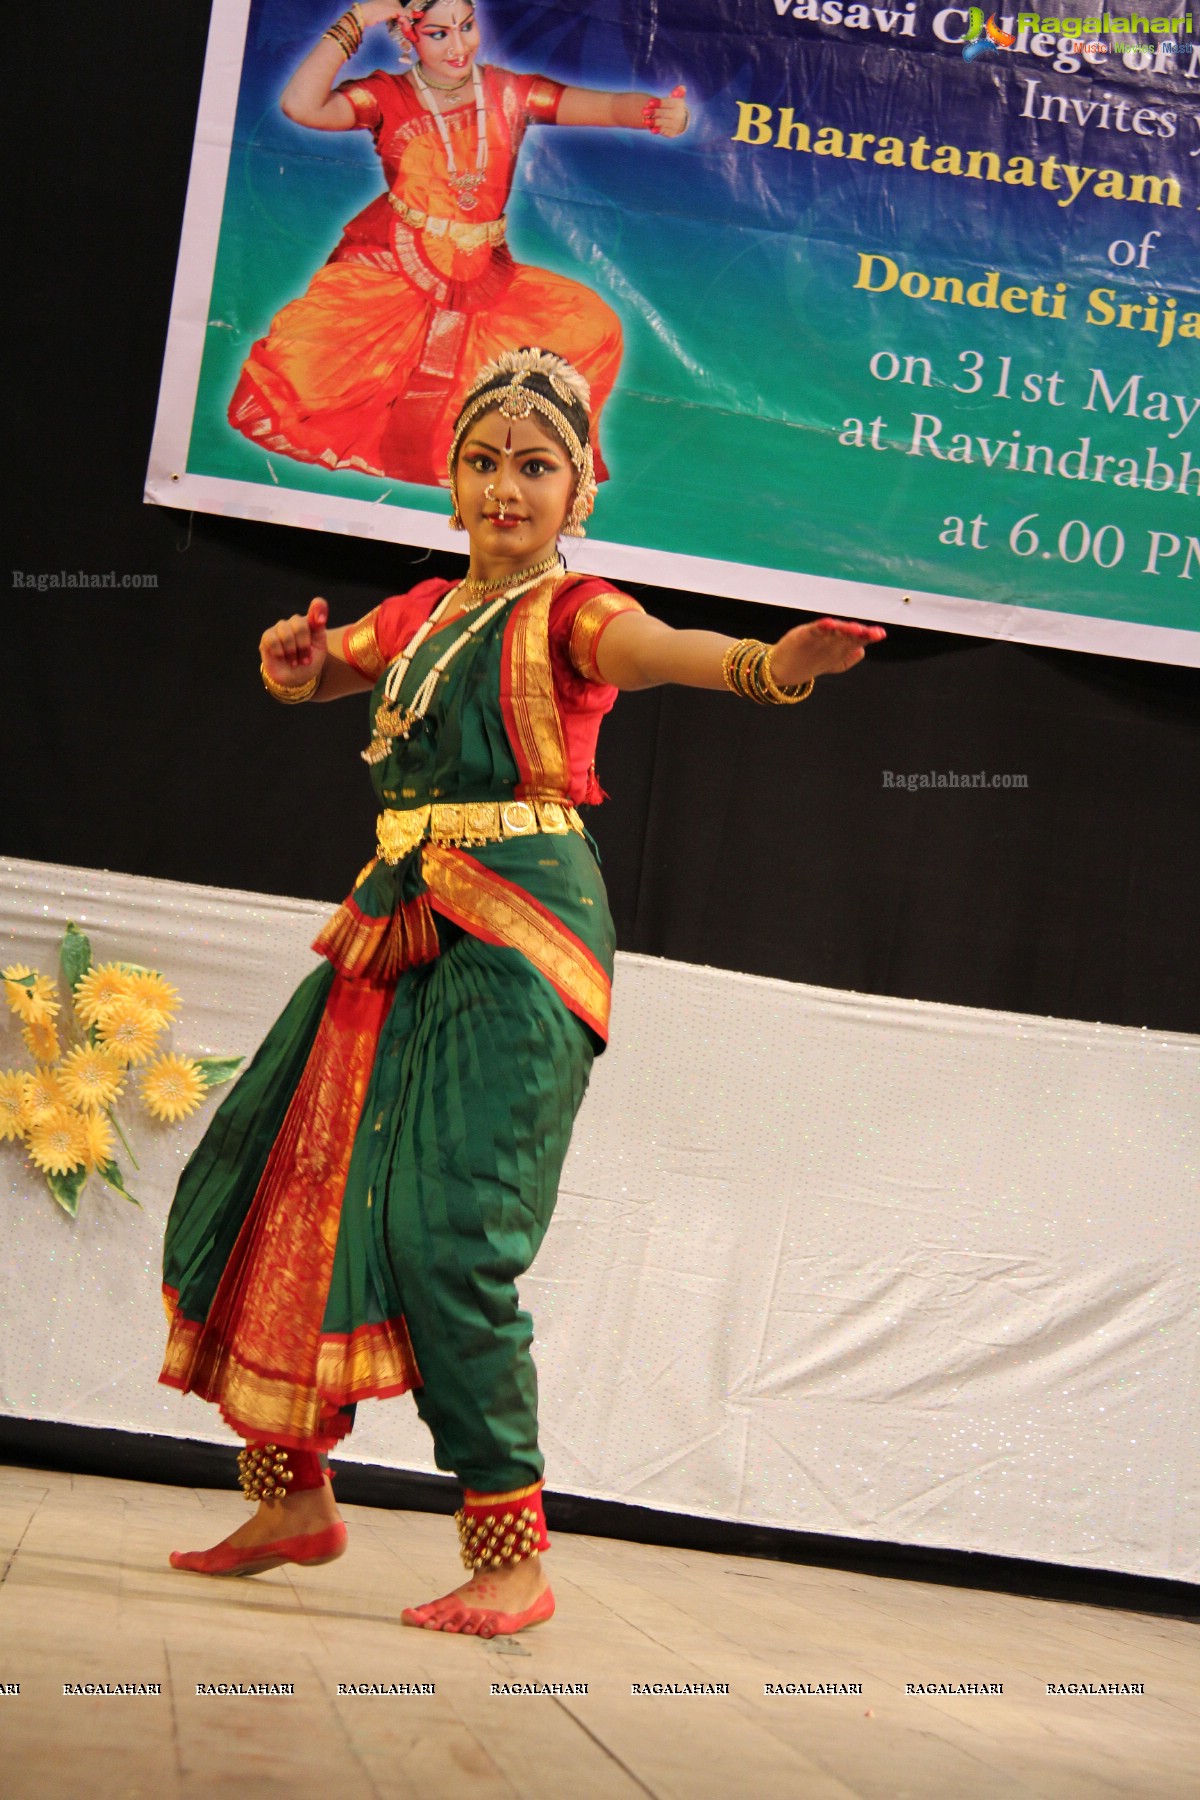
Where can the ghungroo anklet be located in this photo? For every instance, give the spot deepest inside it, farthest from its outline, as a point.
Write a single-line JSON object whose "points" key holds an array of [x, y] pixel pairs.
{"points": [[264, 1473], [497, 1530]]}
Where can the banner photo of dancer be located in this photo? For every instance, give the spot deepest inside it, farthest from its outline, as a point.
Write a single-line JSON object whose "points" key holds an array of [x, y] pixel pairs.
{"points": [[893, 312]]}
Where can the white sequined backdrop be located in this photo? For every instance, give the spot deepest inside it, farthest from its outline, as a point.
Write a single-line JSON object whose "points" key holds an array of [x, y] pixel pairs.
{"points": [[821, 1260]]}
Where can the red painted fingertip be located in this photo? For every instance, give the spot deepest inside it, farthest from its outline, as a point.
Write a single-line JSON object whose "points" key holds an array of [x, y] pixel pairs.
{"points": [[678, 93]]}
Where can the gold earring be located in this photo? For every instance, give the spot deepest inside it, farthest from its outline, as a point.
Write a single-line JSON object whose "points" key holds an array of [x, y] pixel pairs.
{"points": [[585, 498]]}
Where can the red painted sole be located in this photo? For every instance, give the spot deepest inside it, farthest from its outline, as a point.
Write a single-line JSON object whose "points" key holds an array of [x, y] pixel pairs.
{"points": [[488, 1623], [310, 1550]]}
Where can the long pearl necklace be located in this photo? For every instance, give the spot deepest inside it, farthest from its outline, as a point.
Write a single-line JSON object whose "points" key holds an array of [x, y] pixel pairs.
{"points": [[393, 721], [466, 187]]}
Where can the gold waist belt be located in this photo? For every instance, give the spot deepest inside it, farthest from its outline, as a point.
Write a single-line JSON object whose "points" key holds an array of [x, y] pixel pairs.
{"points": [[461, 235], [399, 830]]}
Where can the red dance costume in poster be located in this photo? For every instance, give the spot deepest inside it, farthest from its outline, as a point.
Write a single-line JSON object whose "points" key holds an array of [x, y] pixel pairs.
{"points": [[366, 370]]}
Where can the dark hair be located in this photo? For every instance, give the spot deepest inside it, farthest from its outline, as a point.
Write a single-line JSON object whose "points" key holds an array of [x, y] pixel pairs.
{"points": [[417, 11], [551, 386]]}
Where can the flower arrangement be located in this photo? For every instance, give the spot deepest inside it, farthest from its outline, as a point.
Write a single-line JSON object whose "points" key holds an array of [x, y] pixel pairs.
{"points": [[84, 1059]]}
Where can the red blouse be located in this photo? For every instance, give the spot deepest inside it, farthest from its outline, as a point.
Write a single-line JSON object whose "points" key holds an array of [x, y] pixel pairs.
{"points": [[580, 613]]}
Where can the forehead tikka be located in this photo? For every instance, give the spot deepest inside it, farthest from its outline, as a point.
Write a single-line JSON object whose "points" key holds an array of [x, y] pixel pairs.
{"points": [[518, 402]]}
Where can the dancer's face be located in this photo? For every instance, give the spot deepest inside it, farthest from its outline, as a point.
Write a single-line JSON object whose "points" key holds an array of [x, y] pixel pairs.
{"points": [[447, 41], [515, 486]]}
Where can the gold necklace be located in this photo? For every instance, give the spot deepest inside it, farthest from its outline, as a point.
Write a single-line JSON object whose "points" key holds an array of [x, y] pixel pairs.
{"points": [[466, 187], [478, 589], [439, 87], [393, 720]]}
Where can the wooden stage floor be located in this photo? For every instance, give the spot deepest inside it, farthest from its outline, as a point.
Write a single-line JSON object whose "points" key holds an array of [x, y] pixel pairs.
{"points": [[87, 1596]]}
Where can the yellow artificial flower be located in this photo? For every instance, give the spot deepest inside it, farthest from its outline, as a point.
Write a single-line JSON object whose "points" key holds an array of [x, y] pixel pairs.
{"points": [[172, 1087], [43, 1095], [155, 992], [13, 1083], [36, 1003], [58, 1141], [92, 1076], [129, 1029], [98, 1141], [99, 989], [41, 1041]]}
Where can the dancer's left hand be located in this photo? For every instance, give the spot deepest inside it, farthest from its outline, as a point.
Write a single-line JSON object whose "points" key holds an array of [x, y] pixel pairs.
{"points": [[829, 647], [669, 117]]}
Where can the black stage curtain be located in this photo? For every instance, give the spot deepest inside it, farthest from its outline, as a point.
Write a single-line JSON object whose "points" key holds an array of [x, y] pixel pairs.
{"points": [[136, 735]]}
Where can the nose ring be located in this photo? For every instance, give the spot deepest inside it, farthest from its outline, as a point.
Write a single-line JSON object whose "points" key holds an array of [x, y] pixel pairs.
{"points": [[489, 493]]}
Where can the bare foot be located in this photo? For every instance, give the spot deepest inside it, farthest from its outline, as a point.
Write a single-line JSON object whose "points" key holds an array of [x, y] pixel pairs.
{"points": [[312, 1513], [311, 1510], [493, 1603]]}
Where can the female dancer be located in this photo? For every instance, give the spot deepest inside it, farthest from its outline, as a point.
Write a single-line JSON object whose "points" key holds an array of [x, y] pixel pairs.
{"points": [[364, 371], [355, 1220]]}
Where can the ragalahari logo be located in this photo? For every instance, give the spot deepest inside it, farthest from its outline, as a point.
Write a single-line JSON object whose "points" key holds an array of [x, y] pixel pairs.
{"points": [[984, 36]]}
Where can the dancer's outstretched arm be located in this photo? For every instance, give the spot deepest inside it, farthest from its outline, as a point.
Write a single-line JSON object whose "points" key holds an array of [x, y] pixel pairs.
{"points": [[665, 116], [637, 651]]}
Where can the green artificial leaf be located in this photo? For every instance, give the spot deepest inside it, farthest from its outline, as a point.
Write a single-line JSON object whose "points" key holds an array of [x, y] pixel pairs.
{"points": [[110, 1172], [216, 1069], [74, 955], [67, 1189], [26, 981], [116, 1125]]}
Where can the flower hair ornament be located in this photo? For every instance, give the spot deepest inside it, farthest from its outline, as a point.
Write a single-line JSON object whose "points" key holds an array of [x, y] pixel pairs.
{"points": [[403, 30], [518, 384]]}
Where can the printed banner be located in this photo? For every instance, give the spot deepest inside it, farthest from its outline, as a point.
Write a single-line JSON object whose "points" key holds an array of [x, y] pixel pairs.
{"points": [[891, 312]]}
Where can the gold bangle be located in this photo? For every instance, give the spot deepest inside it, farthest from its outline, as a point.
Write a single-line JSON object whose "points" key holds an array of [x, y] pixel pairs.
{"points": [[777, 694], [746, 670], [290, 696], [352, 25], [739, 667], [734, 664]]}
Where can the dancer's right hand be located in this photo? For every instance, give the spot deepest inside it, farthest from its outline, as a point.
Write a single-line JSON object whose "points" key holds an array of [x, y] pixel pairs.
{"points": [[668, 117], [294, 650]]}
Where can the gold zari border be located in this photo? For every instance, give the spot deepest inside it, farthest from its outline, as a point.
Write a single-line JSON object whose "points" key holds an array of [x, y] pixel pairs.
{"points": [[367, 110], [590, 623], [360, 647], [500, 912], [471, 1498], [363, 948], [532, 710], [374, 1361], [543, 100]]}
